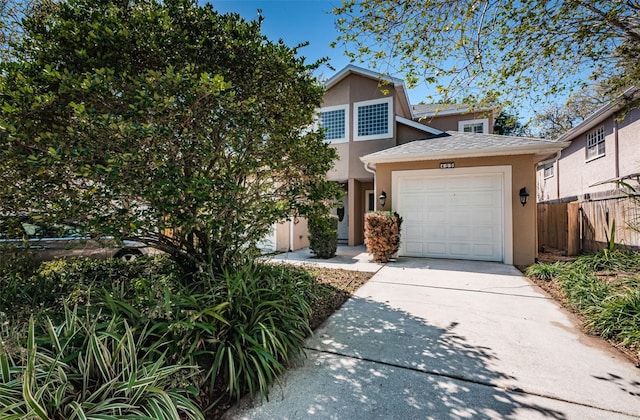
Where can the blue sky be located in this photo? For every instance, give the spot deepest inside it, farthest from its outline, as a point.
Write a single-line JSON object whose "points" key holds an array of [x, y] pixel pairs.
{"points": [[297, 21]]}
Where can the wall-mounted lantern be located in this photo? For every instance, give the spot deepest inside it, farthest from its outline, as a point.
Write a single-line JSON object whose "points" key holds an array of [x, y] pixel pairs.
{"points": [[524, 196], [383, 199]]}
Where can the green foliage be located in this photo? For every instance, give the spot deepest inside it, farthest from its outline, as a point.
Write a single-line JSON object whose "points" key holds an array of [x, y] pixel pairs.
{"points": [[84, 369], [382, 234], [267, 319], [163, 121], [222, 335], [545, 271], [604, 288], [507, 124], [142, 283], [323, 234], [515, 51]]}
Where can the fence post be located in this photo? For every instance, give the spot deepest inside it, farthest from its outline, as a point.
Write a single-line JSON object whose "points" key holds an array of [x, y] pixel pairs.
{"points": [[573, 228]]}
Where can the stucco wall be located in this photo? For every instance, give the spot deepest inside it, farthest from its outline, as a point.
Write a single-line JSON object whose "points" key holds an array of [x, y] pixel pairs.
{"points": [[547, 189], [450, 122], [300, 235], [629, 143], [577, 175], [523, 175]]}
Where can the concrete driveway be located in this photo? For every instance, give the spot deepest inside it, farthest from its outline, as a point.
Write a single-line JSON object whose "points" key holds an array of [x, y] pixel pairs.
{"points": [[452, 339]]}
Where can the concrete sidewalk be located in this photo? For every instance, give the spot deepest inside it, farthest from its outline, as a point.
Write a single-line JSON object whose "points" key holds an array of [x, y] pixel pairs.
{"points": [[452, 339]]}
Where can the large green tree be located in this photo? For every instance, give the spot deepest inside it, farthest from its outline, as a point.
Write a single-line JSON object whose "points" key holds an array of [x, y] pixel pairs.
{"points": [[163, 121], [505, 50]]}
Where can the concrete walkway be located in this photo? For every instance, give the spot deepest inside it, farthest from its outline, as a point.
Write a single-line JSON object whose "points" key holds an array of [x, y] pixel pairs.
{"points": [[452, 339]]}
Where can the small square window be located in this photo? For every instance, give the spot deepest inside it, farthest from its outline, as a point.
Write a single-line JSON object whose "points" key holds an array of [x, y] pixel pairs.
{"points": [[595, 143], [549, 170]]}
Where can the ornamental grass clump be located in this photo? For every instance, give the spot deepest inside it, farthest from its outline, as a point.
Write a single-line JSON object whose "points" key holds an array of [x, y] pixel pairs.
{"points": [[382, 234]]}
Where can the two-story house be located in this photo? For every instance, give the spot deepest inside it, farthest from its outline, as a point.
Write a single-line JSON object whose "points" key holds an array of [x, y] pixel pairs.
{"points": [[461, 190], [364, 112], [603, 155], [604, 148]]}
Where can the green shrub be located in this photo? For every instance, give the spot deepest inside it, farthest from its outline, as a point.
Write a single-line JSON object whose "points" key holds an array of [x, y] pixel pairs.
{"points": [[604, 289], [266, 321], [545, 271], [323, 235], [84, 369], [382, 234], [142, 282]]}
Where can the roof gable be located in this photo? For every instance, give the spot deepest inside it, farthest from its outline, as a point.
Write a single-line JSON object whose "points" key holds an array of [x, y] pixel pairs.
{"points": [[600, 115]]}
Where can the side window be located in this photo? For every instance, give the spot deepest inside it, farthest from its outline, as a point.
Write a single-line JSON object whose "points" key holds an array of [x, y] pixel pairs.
{"points": [[548, 170], [595, 143], [474, 126]]}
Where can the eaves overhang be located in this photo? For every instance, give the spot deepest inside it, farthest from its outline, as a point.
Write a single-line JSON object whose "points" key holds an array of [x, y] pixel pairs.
{"points": [[540, 152]]}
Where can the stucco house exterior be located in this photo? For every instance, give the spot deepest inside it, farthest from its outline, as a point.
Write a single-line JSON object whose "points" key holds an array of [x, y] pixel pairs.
{"points": [[456, 184], [365, 112], [605, 147], [459, 195]]}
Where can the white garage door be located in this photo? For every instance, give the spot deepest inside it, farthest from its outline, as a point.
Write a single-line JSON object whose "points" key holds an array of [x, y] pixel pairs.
{"points": [[452, 213]]}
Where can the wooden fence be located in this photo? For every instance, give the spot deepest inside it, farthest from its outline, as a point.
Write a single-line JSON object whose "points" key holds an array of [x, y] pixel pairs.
{"points": [[587, 225], [599, 217]]}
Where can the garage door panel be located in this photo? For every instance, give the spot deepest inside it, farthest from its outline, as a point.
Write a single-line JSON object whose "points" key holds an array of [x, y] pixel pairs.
{"points": [[458, 216], [415, 233], [414, 248], [434, 233]]}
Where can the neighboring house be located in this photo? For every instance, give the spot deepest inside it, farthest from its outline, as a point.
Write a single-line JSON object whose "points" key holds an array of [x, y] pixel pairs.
{"points": [[604, 148], [364, 112]]}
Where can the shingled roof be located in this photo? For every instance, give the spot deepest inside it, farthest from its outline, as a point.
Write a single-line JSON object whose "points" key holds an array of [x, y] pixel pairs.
{"points": [[456, 144]]}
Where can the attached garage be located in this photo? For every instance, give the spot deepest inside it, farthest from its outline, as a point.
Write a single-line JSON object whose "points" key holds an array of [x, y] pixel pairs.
{"points": [[458, 195], [455, 213]]}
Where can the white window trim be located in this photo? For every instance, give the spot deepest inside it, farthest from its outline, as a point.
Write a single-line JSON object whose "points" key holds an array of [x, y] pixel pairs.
{"points": [[484, 121], [604, 141], [553, 170], [388, 134], [346, 121]]}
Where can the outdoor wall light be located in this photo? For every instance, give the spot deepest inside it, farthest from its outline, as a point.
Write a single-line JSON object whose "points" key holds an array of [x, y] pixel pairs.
{"points": [[524, 196], [383, 199]]}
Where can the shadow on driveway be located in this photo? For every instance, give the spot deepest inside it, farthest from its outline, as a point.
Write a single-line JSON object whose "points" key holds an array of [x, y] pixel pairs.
{"points": [[373, 361]]}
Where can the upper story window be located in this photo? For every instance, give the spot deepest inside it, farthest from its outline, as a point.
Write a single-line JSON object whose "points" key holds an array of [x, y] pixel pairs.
{"points": [[335, 120], [373, 119], [548, 170], [474, 126], [595, 143]]}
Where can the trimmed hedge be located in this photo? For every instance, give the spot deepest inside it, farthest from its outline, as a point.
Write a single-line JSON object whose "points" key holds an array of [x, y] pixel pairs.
{"points": [[323, 235], [382, 234]]}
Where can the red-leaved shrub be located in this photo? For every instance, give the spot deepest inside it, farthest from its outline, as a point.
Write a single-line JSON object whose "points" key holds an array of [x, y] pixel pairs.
{"points": [[382, 234]]}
